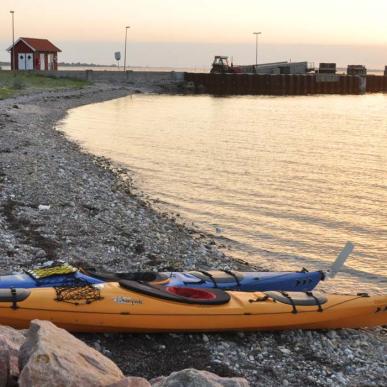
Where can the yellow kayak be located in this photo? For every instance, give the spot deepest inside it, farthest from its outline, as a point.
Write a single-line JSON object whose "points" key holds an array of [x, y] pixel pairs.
{"points": [[135, 307]]}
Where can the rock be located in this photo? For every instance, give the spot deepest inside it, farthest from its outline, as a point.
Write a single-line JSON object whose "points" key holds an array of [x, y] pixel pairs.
{"points": [[98, 346], [10, 342], [195, 378], [40, 253], [131, 381], [332, 334], [285, 351], [15, 336], [43, 207], [9, 367], [340, 378], [139, 248], [51, 356]]}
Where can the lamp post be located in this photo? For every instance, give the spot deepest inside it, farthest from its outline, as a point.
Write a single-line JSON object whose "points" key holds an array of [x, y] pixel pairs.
{"points": [[13, 64], [126, 38], [256, 47]]}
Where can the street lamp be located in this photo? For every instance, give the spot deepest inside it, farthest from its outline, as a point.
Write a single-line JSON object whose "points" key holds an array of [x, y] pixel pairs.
{"points": [[256, 47], [13, 64], [126, 38]]}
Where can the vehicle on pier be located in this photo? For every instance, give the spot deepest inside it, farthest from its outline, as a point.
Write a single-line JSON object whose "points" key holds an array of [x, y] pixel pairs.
{"points": [[221, 65]]}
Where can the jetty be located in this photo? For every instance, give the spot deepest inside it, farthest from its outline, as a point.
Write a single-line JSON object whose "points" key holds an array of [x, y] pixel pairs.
{"points": [[285, 78], [285, 84]]}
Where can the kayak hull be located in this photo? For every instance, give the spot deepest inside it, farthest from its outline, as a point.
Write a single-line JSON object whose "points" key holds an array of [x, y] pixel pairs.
{"points": [[123, 310]]}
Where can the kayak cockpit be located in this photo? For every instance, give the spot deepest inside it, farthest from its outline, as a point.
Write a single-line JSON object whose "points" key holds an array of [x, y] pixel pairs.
{"points": [[184, 295]]}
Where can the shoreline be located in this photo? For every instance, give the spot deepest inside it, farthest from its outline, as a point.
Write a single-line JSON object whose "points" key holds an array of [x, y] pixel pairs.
{"points": [[59, 202], [41, 182]]}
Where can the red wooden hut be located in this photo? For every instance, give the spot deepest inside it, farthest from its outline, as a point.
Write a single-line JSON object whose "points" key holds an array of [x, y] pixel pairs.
{"points": [[34, 54]]}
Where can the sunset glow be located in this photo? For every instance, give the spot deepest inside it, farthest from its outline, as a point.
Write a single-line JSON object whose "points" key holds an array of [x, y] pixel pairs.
{"points": [[203, 22]]}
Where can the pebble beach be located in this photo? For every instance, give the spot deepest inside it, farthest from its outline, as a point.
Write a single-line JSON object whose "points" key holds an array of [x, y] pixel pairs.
{"points": [[59, 202]]}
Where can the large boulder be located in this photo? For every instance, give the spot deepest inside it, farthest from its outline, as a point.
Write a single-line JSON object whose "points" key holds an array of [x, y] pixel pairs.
{"points": [[131, 381], [195, 378], [51, 356], [10, 343]]}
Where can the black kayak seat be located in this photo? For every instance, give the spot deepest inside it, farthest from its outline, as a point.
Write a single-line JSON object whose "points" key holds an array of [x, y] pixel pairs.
{"points": [[298, 298], [220, 277], [183, 295], [146, 276], [14, 295]]}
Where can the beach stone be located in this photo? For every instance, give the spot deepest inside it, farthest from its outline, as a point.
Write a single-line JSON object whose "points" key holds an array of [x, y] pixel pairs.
{"points": [[17, 337], [51, 356], [9, 363], [285, 351], [131, 381], [194, 378], [10, 342]]}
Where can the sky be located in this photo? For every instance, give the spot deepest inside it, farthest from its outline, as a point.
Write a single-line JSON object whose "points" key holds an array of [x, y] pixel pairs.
{"points": [[188, 33]]}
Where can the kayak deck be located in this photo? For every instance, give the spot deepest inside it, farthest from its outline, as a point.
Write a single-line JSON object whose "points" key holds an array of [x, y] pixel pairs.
{"points": [[226, 280]]}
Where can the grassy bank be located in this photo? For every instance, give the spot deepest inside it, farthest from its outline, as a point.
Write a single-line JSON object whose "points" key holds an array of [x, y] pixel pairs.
{"points": [[12, 84]]}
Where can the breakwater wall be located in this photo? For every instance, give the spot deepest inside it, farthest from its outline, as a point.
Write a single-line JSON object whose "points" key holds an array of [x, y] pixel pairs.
{"points": [[118, 76], [376, 83], [285, 84]]}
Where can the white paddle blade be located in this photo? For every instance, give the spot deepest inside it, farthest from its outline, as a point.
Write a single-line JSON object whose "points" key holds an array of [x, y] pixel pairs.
{"points": [[340, 260]]}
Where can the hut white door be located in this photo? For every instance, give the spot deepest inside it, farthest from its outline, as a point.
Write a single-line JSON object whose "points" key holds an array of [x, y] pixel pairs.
{"points": [[42, 62], [25, 61], [21, 60], [29, 61], [51, 61]]}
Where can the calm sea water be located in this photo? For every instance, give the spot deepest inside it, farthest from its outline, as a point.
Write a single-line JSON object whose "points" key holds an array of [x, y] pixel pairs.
{"points": [[286, 180]]}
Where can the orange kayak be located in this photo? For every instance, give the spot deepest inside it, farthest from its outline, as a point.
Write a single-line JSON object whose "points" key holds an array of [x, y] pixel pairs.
{"points": [[135, 307]]}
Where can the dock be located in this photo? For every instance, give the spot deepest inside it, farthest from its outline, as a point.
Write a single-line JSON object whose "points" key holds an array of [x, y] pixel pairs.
{"points": [[285, 84]]}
